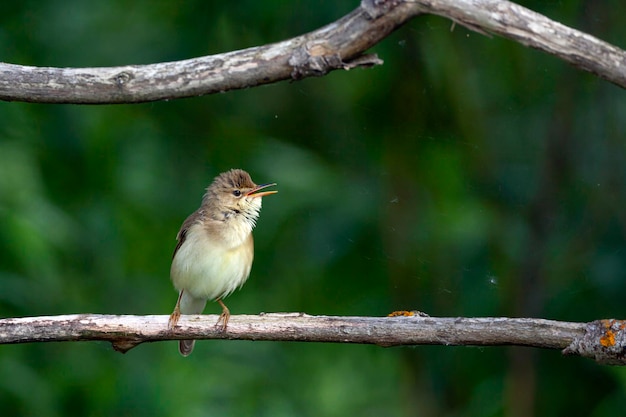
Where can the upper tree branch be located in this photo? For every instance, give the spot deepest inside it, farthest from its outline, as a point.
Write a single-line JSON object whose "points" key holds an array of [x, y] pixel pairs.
{"points": [[601, 340], [339, 45]]}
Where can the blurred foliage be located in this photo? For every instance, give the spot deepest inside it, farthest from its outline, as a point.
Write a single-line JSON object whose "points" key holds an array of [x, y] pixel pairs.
{"points": [[468, 176]]}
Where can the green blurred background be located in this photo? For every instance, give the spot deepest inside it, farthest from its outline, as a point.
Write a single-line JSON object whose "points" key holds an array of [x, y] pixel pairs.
{"points": [[467, 176]]}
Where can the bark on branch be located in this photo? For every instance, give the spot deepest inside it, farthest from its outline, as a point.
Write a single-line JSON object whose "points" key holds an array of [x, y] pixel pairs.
{"points": [[601, 340], [339, 45]]}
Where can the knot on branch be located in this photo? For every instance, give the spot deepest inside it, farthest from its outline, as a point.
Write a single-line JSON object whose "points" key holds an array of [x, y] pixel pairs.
{"points": [[317, 59], [313, 60], [122, 78], [603, 340], [377, 8]]}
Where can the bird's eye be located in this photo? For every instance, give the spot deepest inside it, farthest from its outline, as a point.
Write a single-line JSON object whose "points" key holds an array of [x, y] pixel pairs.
{"points": [[237, 193]]}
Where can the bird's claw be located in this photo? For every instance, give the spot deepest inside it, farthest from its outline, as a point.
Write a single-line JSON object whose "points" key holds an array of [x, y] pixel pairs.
{"points": [[173, 321]]}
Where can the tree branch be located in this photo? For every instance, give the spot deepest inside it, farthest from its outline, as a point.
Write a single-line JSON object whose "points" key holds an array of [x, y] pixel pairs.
{"points": [[339, 45], [602, 340]]}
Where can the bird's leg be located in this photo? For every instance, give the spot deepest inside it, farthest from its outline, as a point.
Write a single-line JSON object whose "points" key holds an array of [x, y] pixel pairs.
{"points": [[224, 317], [176, 313]]}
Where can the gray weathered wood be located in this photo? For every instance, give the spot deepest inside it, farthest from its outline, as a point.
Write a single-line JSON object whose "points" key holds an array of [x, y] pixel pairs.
{"points": [[125, 332], [339, 45]]}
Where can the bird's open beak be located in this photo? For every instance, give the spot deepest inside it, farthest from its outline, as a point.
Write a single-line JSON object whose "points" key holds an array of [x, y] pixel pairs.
{"points": [[253, 192]]}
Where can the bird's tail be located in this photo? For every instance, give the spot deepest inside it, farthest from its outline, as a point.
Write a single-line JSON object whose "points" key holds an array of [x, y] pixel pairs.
{"points": [[189, 305], [185, 347]]}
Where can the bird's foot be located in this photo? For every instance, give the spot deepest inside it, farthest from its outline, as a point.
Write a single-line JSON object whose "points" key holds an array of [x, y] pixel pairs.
{"points": [[224, 317], [174, 317]]}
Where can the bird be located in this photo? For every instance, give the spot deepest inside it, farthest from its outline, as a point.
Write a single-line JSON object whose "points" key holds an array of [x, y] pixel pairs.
{"points": [[215, 248]]}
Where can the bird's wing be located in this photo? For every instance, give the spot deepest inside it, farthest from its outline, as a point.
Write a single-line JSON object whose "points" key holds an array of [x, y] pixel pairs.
{"points": [[182, 233]]}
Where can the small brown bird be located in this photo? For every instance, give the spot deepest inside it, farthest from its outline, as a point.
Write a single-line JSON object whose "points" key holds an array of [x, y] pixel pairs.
{"points": [[215, 249]]}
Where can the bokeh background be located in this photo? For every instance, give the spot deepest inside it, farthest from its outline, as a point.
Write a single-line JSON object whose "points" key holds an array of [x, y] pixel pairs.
{"points": [[467, 176]]}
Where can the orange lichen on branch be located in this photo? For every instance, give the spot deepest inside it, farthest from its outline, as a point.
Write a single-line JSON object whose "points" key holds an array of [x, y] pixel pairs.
{"points": [[603, 340], [401, 313], [407, 313], [611, 327], [608, 338]]}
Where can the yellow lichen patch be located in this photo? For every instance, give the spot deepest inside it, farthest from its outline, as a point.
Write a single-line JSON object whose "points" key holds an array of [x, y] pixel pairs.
{"points": [[401, 313], [608, 339], [608, 323]]}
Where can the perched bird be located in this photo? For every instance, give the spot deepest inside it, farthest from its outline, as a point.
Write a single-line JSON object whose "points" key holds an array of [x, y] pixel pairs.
{"points": [[215, 249]]}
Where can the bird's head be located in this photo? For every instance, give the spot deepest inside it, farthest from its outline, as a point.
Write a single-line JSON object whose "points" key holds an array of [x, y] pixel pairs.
{"points": [[234, 193]]}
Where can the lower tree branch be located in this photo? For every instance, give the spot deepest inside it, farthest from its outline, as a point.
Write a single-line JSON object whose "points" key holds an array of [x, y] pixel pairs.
{"points": [[602, 340], [339, 45]]}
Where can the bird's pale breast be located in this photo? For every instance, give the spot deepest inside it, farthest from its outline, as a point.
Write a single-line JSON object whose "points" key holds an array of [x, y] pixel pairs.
{"points": [[210, 268]]}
